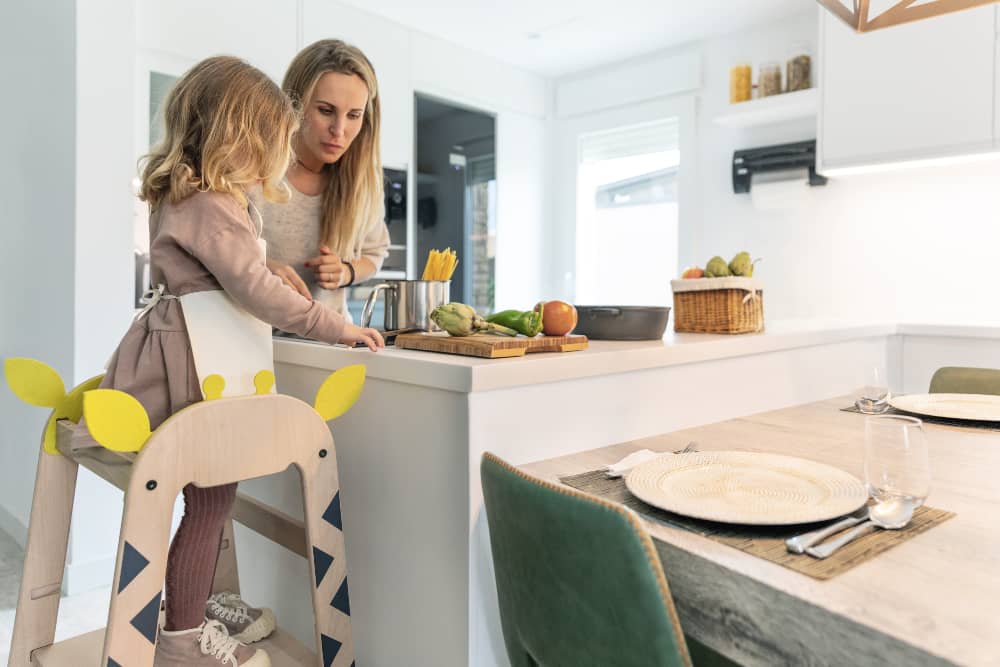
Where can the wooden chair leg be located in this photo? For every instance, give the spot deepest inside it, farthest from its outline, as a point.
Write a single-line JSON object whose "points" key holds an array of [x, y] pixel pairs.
{"points": [[133, 620], [227, 577], [327, 562], [44, 557]]}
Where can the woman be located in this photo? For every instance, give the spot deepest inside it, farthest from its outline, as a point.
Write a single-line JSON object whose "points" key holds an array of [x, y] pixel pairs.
{"points": [[332, 233]]}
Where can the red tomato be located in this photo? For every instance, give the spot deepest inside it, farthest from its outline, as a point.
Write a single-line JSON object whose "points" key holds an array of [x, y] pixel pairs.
{"points": [[558, 318]]}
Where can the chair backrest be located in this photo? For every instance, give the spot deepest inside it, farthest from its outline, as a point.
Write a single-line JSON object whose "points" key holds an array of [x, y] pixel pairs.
{"points": [[578, 578], [963, 380]]}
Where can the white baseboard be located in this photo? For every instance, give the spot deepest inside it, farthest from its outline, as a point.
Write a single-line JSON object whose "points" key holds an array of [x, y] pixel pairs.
{"points": [[13, 526], [88, 576]]}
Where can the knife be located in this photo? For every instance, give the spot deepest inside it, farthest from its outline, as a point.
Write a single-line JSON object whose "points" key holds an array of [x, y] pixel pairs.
{"points": [[800, 543]]}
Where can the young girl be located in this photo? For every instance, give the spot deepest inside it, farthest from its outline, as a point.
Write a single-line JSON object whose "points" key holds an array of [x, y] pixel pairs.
{"points": [[228, 128], [331, 233]]}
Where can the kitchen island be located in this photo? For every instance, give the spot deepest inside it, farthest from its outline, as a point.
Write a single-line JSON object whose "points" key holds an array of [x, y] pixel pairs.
{"points": [[420, 571]]}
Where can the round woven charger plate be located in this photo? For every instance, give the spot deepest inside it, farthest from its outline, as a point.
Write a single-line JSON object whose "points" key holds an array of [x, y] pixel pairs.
{"points": [[977, 407], [751, 488]]}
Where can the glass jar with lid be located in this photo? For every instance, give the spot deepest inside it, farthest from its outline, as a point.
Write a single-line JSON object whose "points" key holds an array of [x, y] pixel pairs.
{"points": [[769, 79], [740, 78], [798, 68]]}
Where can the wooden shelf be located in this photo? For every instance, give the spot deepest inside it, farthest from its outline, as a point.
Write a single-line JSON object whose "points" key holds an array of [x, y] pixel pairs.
{"points": [[283, 649], [770, 110]]}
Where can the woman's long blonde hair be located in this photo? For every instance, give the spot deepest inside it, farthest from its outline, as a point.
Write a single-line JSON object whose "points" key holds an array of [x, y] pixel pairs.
{"points": [[228, 127], [354, 191]]}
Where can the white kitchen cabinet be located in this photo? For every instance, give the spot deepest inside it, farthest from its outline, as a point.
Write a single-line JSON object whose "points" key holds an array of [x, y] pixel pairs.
{"points": [[387, 46], [915, 91], [259, 31]]}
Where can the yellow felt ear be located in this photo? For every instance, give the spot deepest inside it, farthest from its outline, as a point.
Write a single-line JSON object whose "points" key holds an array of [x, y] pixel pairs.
{"points": [[340, 391], [33, 382], [263, 381], [213, 386], [71, 407], [116, 420]]}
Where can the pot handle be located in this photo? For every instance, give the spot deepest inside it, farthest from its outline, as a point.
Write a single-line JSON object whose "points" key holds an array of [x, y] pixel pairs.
{"points": [[369, 308], [613, 312]]}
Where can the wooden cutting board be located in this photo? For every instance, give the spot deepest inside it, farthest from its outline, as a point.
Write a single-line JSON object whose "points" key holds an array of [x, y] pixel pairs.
{"points": [[557, 343], [487, 347]]}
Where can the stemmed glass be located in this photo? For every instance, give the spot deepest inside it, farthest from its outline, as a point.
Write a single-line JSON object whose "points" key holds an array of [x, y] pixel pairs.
{"points": [[873, 397], [897, 470]]}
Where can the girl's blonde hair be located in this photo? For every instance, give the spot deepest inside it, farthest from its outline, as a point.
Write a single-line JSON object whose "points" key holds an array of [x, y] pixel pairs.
{"points": [[354, 191], [228, 127]]}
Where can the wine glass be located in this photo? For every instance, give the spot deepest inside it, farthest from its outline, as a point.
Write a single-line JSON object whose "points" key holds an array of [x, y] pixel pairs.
{"points": [[897, 469], [873, 397]]}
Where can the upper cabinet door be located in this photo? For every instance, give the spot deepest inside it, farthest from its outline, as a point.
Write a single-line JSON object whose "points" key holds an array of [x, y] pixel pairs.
{"points": [[918, 90]]}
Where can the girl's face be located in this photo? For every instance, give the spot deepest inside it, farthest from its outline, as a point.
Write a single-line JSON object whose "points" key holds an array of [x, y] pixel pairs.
{"points": [[333, 117]]}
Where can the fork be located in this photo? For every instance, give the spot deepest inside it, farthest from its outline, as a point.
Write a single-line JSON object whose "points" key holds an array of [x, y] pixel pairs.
{"points": [[691, 447]]}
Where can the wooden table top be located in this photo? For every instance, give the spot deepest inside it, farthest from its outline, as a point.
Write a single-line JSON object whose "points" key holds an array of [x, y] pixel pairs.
{"points": [[932, 600]]}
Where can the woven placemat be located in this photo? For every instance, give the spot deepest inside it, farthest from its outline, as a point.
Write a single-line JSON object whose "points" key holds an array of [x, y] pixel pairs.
{"points": [[942, 421], [767, 542]]}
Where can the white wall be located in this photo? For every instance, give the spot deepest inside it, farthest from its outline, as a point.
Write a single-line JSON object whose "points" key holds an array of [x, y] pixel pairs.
{"points": [[37, 233], [912, 245], [66, 239]]}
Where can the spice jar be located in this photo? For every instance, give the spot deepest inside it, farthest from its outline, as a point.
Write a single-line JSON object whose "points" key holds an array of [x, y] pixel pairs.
{"points": [[770, 79], [798, 68], [739, 83]]}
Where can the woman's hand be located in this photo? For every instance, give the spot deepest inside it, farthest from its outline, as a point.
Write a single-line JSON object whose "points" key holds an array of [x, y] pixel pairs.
{"points": [[329, 269], [290, 277], [370, 337]]}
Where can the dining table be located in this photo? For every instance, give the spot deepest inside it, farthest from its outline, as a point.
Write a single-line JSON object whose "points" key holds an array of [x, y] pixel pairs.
{"points": [[930, 600]]}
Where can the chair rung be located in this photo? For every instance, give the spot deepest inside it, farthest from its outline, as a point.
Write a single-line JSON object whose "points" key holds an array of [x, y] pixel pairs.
{"points": [[46, 590]]}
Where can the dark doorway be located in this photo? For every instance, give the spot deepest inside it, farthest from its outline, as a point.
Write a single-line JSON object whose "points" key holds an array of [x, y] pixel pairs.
{"points": [[456, 195]]}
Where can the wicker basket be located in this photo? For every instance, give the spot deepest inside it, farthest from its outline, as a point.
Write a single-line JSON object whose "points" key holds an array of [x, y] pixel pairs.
{"points": [[718, 305]]}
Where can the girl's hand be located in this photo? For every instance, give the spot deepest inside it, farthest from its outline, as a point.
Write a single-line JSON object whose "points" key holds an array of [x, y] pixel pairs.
{"points": [[290, 277], [370, 337], [330, 271]]}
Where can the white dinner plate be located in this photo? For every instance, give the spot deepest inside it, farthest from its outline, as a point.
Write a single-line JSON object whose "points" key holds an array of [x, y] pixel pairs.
{"points": [[752, 488], [980, 407]]}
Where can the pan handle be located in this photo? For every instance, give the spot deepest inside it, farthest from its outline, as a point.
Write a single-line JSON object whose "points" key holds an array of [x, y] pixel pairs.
{"points": [[613, 312]]}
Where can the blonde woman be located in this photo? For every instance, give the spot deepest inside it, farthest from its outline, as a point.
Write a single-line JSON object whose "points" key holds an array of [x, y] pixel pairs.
{"points": [[228, 129], [331, 233]]}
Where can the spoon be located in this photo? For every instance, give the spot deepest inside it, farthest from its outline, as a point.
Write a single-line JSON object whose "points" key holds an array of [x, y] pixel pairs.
{"points": [[892, 513]]}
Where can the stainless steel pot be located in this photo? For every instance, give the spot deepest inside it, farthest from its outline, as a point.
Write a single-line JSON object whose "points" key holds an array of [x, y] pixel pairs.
{"points": [[622, 322], [408, 303]]}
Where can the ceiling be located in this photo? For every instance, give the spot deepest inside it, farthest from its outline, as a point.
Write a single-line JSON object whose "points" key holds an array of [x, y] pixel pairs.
{"points": [[559, 37]]}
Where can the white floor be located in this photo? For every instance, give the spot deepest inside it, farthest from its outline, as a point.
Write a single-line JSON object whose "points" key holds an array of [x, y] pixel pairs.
{"points": [[77, 615]]}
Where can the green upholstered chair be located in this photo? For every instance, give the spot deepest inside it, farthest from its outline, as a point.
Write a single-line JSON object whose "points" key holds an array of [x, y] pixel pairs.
{"points": [[579, 580], [962, 380]]}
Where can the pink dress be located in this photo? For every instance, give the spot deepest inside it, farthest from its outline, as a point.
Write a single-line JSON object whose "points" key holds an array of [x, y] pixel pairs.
{"points": [[206, 242]]}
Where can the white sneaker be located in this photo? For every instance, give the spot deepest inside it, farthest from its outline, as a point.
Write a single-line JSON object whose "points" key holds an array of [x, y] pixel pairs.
{"points": [[244, 623], [208, 645]]}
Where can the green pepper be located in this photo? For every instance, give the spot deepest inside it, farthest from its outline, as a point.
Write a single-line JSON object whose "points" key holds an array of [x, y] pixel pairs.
{"points": [[527, 322]]}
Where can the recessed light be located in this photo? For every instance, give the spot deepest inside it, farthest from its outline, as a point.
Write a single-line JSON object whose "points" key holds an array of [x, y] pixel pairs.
{"points": [[534, 35]]}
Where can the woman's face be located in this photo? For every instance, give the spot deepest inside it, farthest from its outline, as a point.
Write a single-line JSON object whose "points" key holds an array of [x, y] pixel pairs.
{"points": [[333, 116]]}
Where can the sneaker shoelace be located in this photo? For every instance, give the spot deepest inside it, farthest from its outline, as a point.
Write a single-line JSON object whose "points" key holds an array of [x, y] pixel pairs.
{"points": [[229, 606], [215, 641]]}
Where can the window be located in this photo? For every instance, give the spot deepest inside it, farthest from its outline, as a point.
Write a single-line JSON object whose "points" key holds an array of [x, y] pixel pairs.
{"points": [[627, 214]]}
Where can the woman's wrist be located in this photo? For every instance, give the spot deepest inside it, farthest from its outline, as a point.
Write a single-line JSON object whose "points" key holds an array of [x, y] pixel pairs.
{"points": [[350, 268]]}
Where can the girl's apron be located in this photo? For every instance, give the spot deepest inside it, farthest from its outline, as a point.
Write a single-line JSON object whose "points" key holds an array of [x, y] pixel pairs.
{"points": [[225, 339]]}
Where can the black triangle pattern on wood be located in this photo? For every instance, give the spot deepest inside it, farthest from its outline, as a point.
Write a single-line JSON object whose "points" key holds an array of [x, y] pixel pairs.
{"points": [[321, 562], [145, 621], [112, 663], [331, 647], [341, 601], [332, 513], [133, 563]]}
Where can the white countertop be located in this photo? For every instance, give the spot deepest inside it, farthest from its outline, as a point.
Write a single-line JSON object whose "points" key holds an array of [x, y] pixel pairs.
{"points": [[471, 374]]}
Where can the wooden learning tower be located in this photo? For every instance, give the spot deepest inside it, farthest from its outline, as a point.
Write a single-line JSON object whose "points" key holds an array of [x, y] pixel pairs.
{"points": [[213, 442]]}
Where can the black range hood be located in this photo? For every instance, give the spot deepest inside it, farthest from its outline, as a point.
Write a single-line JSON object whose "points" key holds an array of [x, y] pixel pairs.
{"points": [[782, 157]]}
